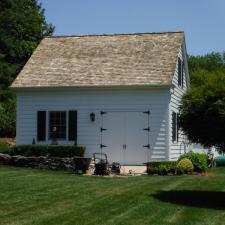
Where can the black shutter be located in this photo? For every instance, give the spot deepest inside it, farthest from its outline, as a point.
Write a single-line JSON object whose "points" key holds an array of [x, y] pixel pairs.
{"points": [[174, 126], [41, 125], [72, 125], [179, 72]]}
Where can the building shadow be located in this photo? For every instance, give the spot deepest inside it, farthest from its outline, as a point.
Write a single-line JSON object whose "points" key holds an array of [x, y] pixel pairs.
{"points": [[201, 199]]}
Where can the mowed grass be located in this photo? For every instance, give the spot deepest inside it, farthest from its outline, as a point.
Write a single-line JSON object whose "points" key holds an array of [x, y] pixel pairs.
{"points": [[30, 196]]}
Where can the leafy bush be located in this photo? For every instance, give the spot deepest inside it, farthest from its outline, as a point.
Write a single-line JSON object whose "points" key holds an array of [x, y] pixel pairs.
{"points": [[51, 150], [81, 164], [161, 167], [7, 117], [4, 148], [185, 166], [199, 160]]}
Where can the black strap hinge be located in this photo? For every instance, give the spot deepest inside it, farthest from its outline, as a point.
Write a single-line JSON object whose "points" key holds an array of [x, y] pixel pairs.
{"points": [[147, 112], [147, 146], [102, 129], [147, 129], [102, 112], [102, 146]]}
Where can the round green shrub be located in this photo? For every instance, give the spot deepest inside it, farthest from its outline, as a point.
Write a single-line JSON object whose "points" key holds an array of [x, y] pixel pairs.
{"points": [[185, 166], [199, 160]]}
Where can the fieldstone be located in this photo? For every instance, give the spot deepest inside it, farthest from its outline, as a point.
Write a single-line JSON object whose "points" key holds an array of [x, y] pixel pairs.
{"points": [[19, 160], [5, 159]]}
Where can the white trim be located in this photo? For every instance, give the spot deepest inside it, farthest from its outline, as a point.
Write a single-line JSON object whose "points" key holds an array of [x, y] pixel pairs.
{"points": [[91, 87]]}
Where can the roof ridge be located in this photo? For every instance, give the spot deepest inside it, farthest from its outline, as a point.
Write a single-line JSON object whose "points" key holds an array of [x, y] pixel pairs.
{"points": [[113, 34]]}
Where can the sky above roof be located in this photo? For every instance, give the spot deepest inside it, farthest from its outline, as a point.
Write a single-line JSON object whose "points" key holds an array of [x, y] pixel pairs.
{"points": [[203, 21]]}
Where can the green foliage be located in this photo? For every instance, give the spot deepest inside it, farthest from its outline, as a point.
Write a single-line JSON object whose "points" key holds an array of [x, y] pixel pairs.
{"points": [[4, 147], [211, 62], [81, 164], [185, 166], [8, 118], [202, 114], [161, 167], [22, 26], [199, 160], [51, 150]]}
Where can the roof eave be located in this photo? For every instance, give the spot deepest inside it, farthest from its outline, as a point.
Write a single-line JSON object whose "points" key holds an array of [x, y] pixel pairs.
{"points": [[84, 87]]}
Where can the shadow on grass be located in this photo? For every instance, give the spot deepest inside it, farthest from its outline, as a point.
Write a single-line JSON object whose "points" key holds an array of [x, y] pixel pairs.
{"points": [[201, 199]]}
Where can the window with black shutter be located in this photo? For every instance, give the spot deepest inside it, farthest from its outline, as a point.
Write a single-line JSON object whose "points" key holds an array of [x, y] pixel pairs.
{"points": [[72, 126], [180, 72], [41, 125], [57, 125], [174, 127]]}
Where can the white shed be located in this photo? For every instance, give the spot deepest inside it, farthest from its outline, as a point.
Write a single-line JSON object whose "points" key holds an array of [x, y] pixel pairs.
{"points": [[118, 94]]}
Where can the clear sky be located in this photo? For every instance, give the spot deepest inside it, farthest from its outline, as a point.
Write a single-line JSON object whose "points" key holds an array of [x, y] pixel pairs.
{"points": [[203, 21]]}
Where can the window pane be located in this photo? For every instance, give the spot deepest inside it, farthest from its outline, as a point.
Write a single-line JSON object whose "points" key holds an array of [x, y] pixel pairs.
{"points": [[180, 72], [174, 126], [57, 125]]}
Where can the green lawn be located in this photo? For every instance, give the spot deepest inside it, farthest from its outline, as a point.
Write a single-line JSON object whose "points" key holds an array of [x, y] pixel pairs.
{"points": [[32, 197]]}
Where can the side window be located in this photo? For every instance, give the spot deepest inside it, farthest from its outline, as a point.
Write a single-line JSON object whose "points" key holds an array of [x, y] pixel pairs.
{"points": [[57, 124], [175, 130], [180, 73]]}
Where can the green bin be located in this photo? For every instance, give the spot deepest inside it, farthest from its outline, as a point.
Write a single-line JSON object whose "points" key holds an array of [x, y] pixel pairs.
{"points": [[220, 160]]}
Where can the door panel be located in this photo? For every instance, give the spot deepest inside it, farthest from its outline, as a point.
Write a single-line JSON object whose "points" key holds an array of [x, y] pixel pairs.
{"points": [[125, 137], [136, 138], [113, 136]]}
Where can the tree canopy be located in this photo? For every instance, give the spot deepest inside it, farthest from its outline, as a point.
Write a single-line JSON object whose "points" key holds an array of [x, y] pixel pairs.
{"points": [[202, 115], [22, 26]]}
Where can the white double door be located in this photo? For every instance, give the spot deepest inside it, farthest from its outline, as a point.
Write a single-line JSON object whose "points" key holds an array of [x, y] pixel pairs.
{"points": [[125, 137]]}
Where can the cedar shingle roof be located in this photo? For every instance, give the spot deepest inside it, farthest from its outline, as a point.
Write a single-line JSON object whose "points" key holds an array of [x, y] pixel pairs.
{"points": [[102, 60]]}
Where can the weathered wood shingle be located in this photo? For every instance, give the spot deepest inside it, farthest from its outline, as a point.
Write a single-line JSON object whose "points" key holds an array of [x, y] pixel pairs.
{"points": [[102, 60]]}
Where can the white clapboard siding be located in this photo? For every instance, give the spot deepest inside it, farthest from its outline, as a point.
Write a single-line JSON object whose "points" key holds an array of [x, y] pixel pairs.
{"points": [[85, 102], [177, 148]]}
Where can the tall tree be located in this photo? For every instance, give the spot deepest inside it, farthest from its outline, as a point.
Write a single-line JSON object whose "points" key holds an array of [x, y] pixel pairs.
{"points": [[212, 62], [202, 115], [22, 26]]}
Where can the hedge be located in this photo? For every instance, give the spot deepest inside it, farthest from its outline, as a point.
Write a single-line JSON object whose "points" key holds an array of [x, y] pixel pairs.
{"points": [[161, 167], [51, 150]]}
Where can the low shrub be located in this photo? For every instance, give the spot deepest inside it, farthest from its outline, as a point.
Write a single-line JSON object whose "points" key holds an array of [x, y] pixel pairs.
{"points": [[51, 150], [81, 164], [199, 160], [185, 166], [161, 167]]}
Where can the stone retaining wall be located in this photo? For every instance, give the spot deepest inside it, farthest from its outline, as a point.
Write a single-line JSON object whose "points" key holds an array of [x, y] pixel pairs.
{"points": [[42, 162]]}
